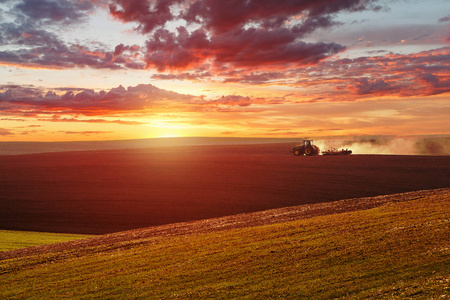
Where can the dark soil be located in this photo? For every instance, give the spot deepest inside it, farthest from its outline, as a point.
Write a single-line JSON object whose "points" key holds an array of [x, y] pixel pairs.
{"points": [[99, 192]]}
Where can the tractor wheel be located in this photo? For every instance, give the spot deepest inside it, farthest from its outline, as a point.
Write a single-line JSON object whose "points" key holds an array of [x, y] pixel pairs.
{"points": [[296, 152], [308, 151]]}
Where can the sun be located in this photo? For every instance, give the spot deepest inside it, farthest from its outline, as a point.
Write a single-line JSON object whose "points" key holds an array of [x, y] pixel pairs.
{"points": [[169, 135]]}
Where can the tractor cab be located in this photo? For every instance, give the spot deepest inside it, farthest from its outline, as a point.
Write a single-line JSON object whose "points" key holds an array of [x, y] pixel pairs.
{"points": [[308, 148]]}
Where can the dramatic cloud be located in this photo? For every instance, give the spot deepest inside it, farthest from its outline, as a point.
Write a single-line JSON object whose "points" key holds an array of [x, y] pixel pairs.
{"points": [[218, 17], [139, 100], [81, 69], [148, 14], [44, 49], [61, 11], [32, 39], [243, 47], [424, 73], [252, 34], [255, 48], [19, 100], [435, 84]]}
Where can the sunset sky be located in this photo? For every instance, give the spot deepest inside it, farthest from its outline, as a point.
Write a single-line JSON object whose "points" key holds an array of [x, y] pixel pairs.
{"points": [[126, 69]]}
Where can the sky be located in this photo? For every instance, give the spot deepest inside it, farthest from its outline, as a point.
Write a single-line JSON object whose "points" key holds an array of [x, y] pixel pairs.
{"points": [[73, 70]]}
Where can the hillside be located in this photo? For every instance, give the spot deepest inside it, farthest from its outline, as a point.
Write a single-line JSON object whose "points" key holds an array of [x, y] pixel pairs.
{"points": [[11, 239], [393, 246]]}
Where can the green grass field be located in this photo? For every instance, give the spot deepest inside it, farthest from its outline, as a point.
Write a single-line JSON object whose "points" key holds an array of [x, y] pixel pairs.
{"points": [[10, 240], [400, 250]]}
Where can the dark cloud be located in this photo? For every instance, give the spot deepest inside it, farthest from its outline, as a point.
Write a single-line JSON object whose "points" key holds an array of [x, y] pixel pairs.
{"points": [[44, 49], [364, 86], [255, 77], [239, 33], [33, 40], [435, 84], [256, 47], [242, 47], [445, 19], [248, 34], [57, 11], [177, 51], [194, 76], [252, 42], [148, 14], [26, 35], [223, 16]]}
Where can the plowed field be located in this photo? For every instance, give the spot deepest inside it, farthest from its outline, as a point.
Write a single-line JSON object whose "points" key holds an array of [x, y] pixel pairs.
{"points": [[109, 191]]}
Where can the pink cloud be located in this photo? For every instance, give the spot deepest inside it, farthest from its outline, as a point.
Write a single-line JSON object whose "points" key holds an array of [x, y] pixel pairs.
{"points": [[231, 100], [218, 17], [26, 100], [82, 106], [223, 37], [259, 47], [419, 74], [424, 73], [177, 51], [147, 16], [435, 84]]}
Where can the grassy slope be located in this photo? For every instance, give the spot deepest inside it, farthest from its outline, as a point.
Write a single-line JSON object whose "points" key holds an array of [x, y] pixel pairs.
{"points": [[11, 240], [397, 250]]}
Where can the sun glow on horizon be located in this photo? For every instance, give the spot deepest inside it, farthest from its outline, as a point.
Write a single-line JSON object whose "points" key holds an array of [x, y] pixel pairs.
{"points": [[169, 135]]}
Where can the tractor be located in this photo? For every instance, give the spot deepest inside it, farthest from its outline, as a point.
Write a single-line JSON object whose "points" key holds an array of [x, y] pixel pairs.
{"points": [[306, 149]]}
